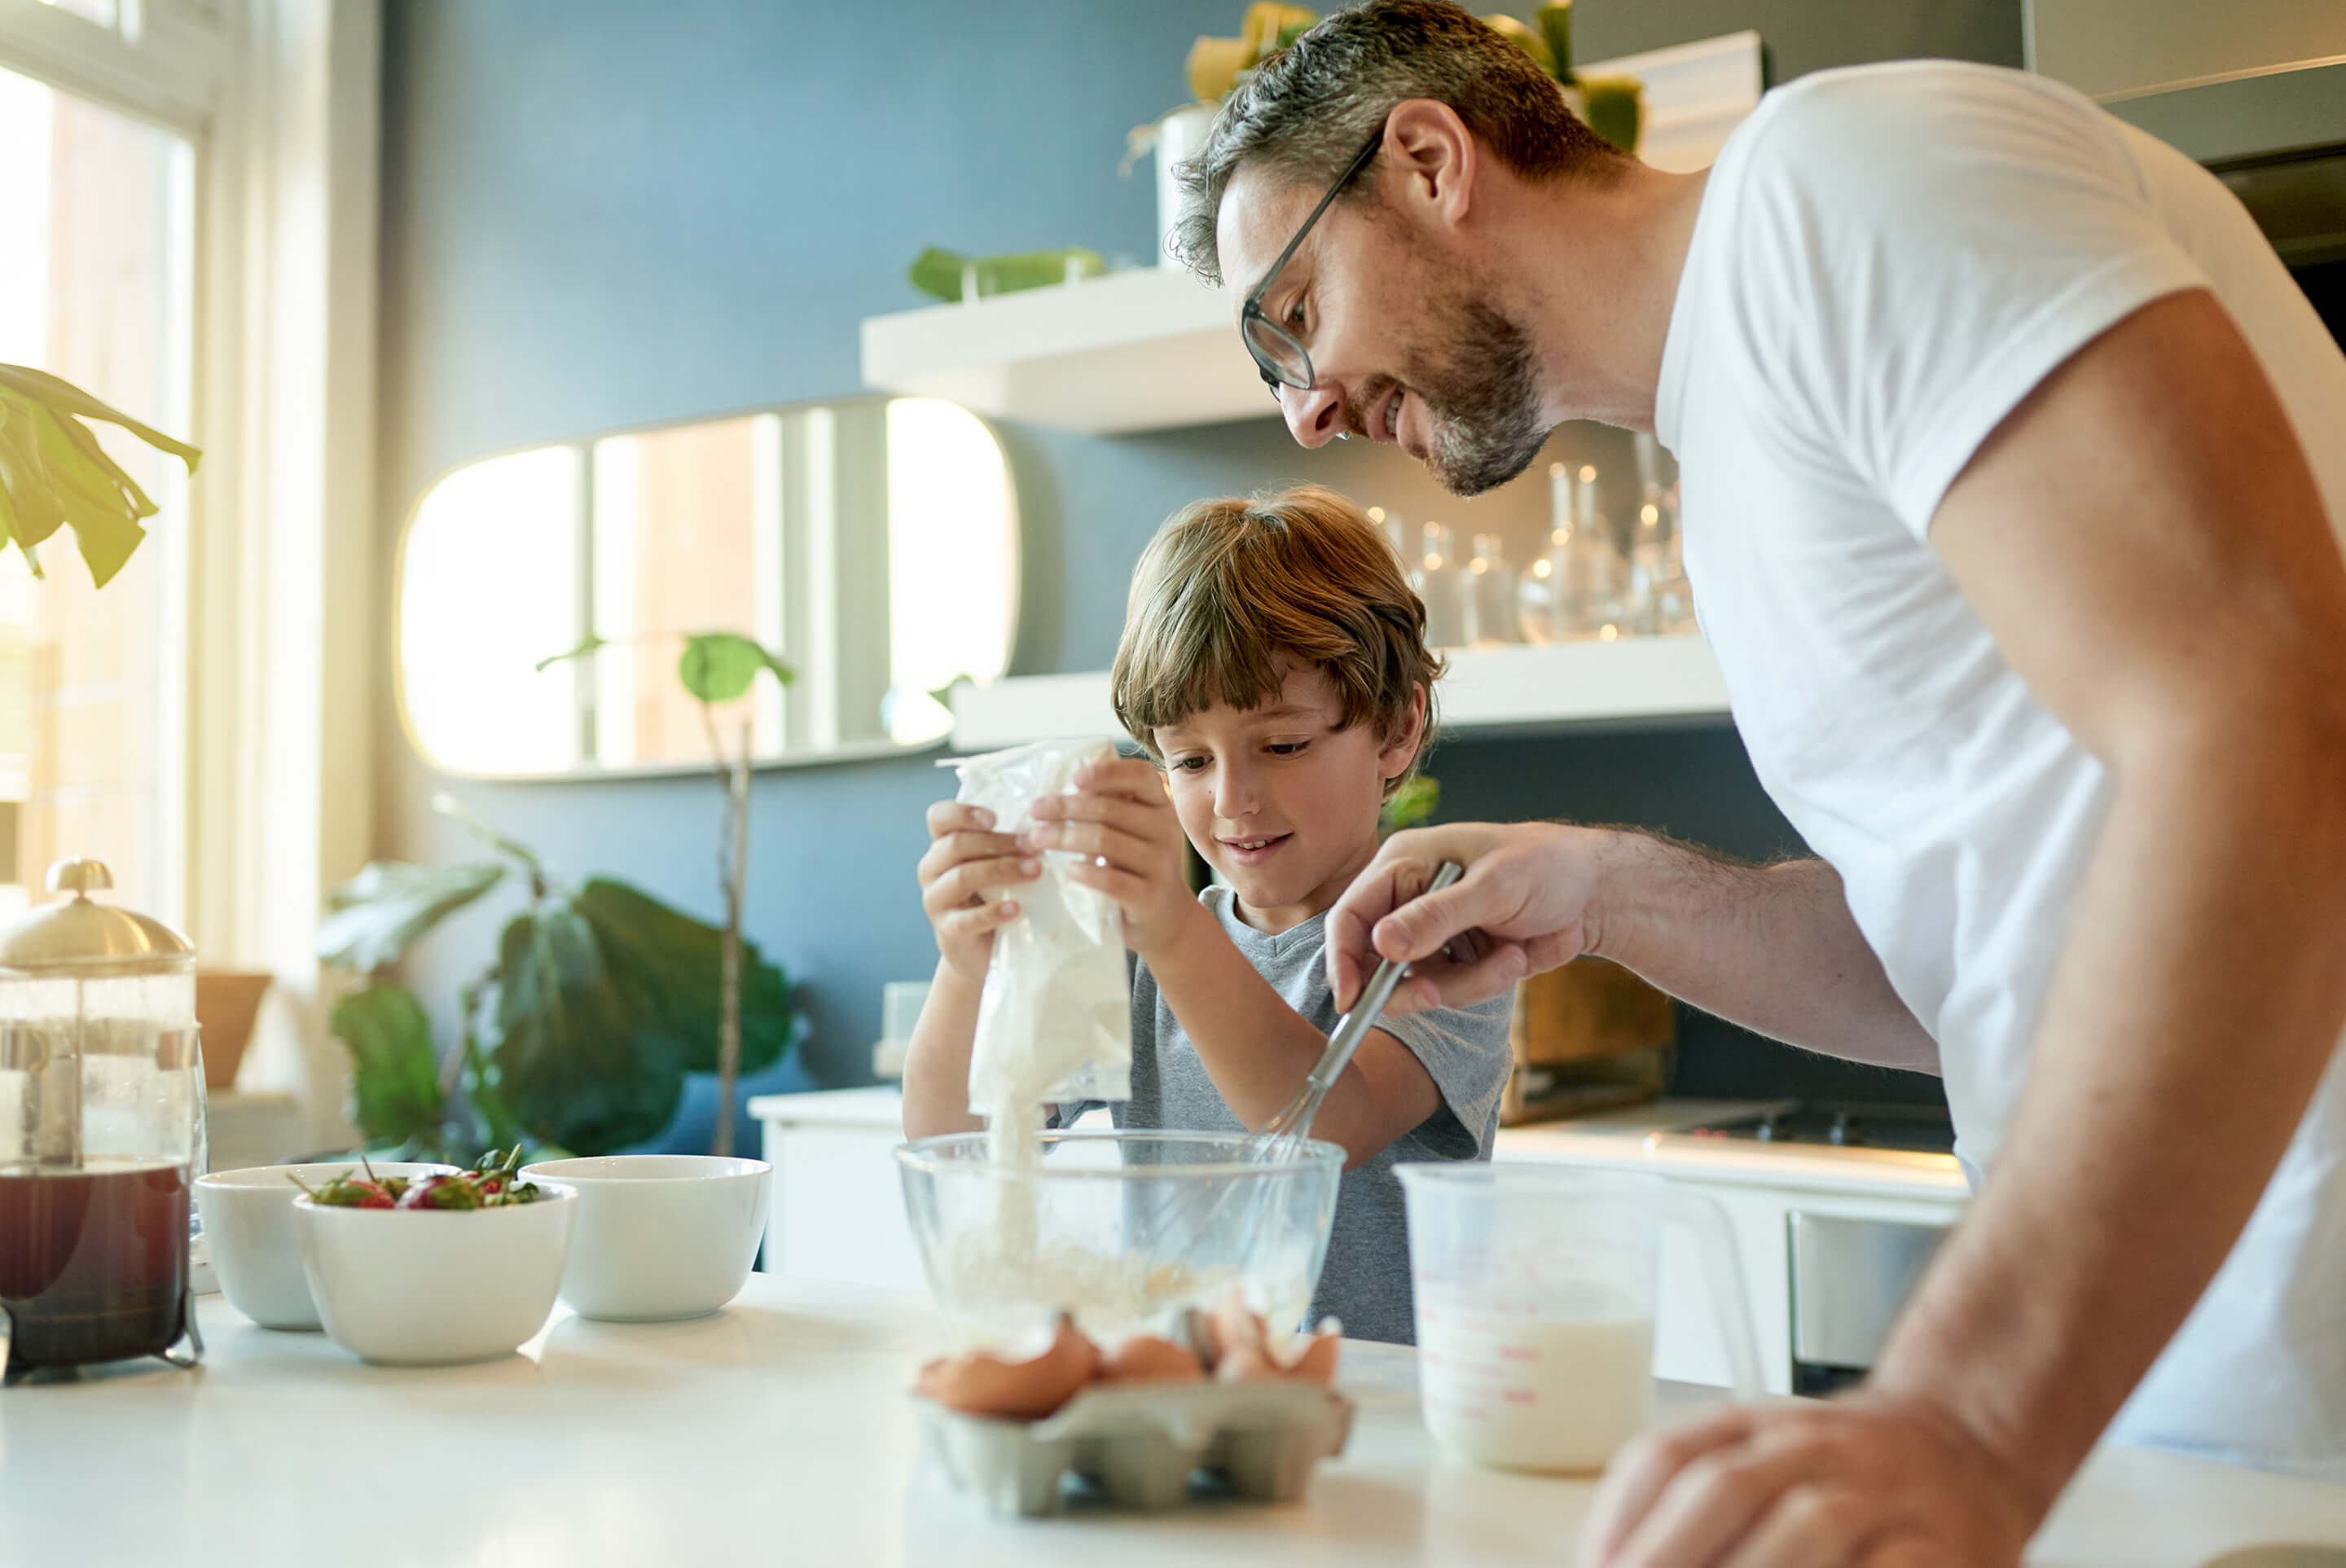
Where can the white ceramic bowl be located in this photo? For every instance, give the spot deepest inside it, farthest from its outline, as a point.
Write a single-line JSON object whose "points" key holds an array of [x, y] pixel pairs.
{"points": [[430, 1287], [255, 1249], [660, 1235]]}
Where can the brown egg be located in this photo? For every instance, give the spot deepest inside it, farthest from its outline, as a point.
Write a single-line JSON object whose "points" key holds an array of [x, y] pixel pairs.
{"points": [[983, 1384], [1145, 1359], [1316, 1363], [1235, 1332], [1256, 1362]]}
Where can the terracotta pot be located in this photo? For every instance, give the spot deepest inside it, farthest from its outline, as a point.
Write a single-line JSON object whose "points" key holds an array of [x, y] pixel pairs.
{"points": [[227, 1001]]}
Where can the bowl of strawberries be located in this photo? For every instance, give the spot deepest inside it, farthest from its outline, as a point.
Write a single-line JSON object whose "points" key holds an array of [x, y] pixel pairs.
{"points": [[435, 1269]]}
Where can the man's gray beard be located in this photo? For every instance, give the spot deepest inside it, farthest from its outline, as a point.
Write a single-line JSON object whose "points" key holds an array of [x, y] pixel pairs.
{"points": [[1483, 400]]}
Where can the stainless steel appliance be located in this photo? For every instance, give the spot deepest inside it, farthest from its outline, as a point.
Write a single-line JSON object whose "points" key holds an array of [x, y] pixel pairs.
{"points": [[1848, 1277]]}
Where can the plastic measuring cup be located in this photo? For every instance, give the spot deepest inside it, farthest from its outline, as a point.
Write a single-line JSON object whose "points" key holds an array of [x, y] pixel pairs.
{"points": [[1536, 1288]]}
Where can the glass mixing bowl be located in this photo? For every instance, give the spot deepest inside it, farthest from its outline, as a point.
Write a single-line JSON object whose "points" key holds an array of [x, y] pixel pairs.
{"points": [[1124, 1229]]}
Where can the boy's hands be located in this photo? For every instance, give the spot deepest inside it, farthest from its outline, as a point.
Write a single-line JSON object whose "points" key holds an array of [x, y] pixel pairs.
{"points": [[1122, 822], [967, 858]]}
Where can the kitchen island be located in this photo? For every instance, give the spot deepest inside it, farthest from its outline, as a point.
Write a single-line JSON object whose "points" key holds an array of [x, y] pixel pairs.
{"points": [[779, 1431]]}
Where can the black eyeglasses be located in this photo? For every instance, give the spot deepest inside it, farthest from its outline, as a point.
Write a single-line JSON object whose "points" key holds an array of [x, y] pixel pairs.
{"points": [[1281, 358]]}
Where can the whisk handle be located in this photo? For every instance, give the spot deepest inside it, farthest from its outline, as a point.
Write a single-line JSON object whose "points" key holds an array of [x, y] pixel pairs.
{"points": [[1354, 1026]]}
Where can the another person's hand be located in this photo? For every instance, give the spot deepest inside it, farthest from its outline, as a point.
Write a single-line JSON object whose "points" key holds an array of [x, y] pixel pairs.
{"points": [[966, 860], [1870, 1480], [1522, 906], [1121, 821]]}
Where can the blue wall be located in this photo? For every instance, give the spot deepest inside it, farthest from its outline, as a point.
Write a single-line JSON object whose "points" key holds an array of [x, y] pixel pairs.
{"points": [[601, 213]]}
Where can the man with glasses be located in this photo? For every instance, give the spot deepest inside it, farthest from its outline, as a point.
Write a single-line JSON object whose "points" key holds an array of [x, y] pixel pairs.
{"points": [[2013, 467]]}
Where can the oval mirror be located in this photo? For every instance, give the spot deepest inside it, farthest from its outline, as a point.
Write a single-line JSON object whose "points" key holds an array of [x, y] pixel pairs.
{"points": [[870, 544]]}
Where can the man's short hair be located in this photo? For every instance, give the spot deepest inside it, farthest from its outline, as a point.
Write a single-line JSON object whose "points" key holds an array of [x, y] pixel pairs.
{"points": [[1230, 586], [1309, 109]]}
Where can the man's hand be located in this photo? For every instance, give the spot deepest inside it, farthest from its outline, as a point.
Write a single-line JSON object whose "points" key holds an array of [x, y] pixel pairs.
{"points": [[1870, 1480], [1524, 906], [1122, 822]]}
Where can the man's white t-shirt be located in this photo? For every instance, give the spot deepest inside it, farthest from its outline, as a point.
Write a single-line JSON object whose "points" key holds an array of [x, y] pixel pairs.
{"points": [[1887, 259]]}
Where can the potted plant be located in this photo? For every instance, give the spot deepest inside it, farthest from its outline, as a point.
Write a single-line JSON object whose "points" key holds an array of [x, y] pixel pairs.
{"points": [[576, 1034]]}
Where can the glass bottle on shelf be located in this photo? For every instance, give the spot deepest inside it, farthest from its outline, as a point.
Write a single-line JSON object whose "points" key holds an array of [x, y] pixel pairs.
{"points": [[1574, 590], [1488, 596], [1436, 578], [1671, 594]]}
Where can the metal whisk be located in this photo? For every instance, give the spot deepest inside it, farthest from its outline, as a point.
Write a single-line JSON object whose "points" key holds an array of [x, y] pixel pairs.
{"points": [[1279, 1135], [1278, 1139]]}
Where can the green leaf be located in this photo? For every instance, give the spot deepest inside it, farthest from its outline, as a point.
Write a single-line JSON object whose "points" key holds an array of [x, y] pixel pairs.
{"points": [[105, 521], [448, 806], [394, 1079], [376, 916], [670, 967], [572, 1057], [719, 666], [68, 398], [1555, 25], [40, 511], [1411, 804], [1617, 109], [938, 272], [586, 649]]}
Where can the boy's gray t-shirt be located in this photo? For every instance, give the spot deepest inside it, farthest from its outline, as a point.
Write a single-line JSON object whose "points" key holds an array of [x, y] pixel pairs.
{"points": [[1366, 1281]]}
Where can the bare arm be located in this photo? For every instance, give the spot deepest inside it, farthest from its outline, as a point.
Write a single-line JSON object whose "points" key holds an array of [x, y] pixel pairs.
{"points": [[967, 861], [1772, 948], [2144, 539], [1257, 1050], [2146, 542], [936, 1061]]}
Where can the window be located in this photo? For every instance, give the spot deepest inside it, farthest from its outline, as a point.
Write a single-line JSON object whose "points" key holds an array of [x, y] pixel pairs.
{"points": [[872, 544], [98, 285]]}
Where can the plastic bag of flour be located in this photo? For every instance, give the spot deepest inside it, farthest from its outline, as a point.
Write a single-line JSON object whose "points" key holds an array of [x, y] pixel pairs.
{"points": [[1055, 1024]]}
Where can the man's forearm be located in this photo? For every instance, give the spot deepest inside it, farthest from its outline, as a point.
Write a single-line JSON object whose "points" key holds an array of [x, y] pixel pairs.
{"points": [[2194, 1011], [1772, 948]]}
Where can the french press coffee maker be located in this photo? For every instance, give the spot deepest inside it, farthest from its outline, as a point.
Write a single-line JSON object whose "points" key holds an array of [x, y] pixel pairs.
{"points": [[101, 1132]]}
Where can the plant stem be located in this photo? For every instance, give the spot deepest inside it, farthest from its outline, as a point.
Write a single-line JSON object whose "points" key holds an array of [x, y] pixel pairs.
{"points": [[733, 874]]}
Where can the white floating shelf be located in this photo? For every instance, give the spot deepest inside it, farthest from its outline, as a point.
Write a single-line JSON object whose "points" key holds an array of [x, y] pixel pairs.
{"points": [[1155, 349], [1152, 349], [1489, 691]]}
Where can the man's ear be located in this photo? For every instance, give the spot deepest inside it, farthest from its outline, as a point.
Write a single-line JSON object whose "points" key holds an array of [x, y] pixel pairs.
{"points": [[1429, 162]]}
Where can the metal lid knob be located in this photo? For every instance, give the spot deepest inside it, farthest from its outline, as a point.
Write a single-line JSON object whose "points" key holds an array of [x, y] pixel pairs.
{"points": [[79, 876]]}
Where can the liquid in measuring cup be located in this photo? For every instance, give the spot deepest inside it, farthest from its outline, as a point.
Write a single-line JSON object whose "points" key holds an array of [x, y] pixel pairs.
{"points": [[1523, 1391]]}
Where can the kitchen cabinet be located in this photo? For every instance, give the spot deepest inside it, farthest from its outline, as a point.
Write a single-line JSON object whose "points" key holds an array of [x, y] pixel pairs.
{"points": [[838, 1210]]}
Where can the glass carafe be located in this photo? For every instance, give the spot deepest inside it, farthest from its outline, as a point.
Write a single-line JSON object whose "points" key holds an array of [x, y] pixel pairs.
{"points": [[101, 1132], [1438, 582]]}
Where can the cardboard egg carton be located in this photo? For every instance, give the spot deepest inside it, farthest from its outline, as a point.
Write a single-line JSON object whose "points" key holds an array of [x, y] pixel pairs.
{"points": [[1141, 1445]]}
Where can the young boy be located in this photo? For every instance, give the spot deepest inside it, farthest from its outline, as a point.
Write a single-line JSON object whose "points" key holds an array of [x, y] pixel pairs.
{"points": [[1274, 668]]}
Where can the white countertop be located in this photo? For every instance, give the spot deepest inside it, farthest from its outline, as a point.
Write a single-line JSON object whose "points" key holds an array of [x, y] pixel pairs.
{"points": [[779, 1431]]}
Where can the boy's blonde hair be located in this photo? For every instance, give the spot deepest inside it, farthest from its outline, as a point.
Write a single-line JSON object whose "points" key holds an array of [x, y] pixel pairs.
{"points": [[1229, 585]]}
